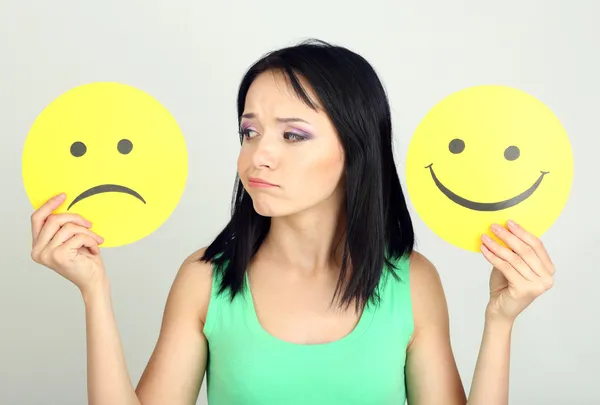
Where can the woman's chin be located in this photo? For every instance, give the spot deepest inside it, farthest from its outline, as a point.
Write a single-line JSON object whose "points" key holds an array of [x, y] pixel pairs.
{"points": [[264, 209], [268, 209]]}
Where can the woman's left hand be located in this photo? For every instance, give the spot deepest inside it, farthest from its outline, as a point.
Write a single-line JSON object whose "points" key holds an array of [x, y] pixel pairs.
{"points": [[522, 272]]}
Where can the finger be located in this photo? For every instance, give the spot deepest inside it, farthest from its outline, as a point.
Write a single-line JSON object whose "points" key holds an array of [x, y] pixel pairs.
{"points": [[503, 266], [534, 242], [94, 249], [81, 240], [521, 248], [38, 218], [509, 256], [53, 224], [69, 230]]}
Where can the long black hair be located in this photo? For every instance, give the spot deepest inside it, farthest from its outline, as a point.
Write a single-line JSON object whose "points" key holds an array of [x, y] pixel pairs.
{"points": [[378, 228]]}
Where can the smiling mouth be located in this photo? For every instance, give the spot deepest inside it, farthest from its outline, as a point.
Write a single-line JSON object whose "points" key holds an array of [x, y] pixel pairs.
{"points": [[479, 206], [106, 188]]}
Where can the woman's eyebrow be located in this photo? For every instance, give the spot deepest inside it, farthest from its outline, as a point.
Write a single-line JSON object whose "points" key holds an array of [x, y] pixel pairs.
{"points": [[286, 119]]}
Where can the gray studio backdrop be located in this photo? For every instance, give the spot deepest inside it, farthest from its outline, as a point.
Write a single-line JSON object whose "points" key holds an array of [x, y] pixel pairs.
{"points": [[190, 55]]}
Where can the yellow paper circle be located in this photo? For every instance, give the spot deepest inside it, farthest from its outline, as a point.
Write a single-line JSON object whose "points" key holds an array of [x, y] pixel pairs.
{"points": [[484, 155], [116, 152]]}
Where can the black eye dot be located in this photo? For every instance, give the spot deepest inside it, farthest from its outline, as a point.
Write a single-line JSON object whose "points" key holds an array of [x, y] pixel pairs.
{"points": [[512, 153], [456, 145], [124, 146], [78, 149]]}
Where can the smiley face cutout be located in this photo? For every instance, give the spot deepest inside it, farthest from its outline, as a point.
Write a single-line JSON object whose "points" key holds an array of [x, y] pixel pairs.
{"points": [[115, 151], [484, 155]]}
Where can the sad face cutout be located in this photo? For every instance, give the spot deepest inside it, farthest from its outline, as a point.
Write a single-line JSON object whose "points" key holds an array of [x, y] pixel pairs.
{"points": [[115, 151], [485, 155]]}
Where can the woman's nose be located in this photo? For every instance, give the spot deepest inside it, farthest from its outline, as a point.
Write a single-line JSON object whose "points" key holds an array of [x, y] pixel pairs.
{"points": [[266, 153]]}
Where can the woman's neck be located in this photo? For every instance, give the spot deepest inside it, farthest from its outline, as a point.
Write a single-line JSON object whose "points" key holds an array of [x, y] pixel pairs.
{"points": [[311, 241]]}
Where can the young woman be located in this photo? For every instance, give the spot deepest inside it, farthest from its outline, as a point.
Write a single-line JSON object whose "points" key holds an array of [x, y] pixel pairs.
{"points": [[312, 293]]}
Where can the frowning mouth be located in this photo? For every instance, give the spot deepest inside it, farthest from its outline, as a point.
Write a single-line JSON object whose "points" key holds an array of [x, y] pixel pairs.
{"points": [[106, 188], [479, 206]]}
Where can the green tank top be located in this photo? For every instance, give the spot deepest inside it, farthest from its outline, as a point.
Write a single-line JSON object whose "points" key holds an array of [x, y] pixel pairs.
{"points": [[249, 366]]}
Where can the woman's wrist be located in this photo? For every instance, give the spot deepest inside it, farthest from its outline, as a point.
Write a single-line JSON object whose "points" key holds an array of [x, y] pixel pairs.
{"points": [[491, 376], [498, 323], [98, 290]]}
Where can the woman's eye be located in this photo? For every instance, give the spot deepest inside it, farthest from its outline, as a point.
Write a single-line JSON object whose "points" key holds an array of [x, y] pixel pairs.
{"points": [[248, 133], [290, 136]]}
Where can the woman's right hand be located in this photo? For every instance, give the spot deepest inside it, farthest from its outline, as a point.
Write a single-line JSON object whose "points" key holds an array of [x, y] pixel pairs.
{"points": [[64, 243]]}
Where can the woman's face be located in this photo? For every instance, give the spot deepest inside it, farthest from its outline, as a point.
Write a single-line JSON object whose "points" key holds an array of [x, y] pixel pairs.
{"points": [[290, 146]]}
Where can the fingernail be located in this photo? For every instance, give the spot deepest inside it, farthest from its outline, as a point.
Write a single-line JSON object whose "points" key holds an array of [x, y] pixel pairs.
{"points": [[511, 224], [486, 238], [88, 223], [496, 228]]}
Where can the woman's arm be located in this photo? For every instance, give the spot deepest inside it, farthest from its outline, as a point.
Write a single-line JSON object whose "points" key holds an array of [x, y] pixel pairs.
{"points": [[177, 365], [65, 243], [490, 380], [522, 272], [176, 368], [431, 374], [108, 380]]}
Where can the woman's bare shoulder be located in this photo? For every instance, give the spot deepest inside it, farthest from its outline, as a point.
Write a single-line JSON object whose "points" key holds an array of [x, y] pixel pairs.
{"points": [[178, 361], [427, 294], [193, 282], [194, 266], [422, 269]]}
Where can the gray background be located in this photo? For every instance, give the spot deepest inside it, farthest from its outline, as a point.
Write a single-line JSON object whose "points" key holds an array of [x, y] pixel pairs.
{"points": [[190, 55]]}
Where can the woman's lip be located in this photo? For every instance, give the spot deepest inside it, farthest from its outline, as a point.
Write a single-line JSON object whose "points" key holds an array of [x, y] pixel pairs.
{"points": [[256, 182]]}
